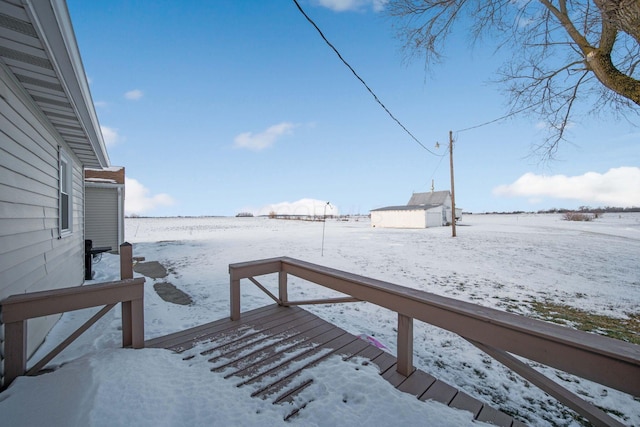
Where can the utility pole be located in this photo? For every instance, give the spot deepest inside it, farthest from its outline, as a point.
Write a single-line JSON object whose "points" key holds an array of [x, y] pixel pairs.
{"points": [[453, 194]]}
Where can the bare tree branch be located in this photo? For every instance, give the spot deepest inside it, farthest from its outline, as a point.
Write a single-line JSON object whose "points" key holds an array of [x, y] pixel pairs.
{"points": [[565, 51]]}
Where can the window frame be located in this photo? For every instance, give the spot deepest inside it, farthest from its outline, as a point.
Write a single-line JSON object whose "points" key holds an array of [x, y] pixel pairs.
{"points": [[65, 193]]}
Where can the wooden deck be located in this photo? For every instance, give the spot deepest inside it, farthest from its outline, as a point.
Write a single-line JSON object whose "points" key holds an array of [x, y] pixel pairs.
{"points": [[270, 347]]}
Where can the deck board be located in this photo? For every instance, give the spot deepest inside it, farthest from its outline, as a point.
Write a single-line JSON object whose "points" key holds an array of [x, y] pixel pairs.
{"points": [[269, 349], [269, 330], [417, 383], [464, 401], [271, 352], [229, 355], [440, 392]]}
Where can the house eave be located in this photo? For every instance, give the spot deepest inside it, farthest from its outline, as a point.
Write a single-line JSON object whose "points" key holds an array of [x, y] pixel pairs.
{"points": [[40, 49]]}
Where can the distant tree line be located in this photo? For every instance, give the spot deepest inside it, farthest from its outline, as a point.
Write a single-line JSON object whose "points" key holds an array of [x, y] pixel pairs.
{"points": [[581, 209], [589, 209]]}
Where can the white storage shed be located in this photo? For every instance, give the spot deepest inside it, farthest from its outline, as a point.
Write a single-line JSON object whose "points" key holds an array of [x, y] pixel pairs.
{"points": [[104, 207], [432, 209]]}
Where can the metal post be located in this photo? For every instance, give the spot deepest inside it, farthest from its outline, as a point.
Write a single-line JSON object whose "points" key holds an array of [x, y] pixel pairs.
{"points": [[324, 222], [453, 193]]}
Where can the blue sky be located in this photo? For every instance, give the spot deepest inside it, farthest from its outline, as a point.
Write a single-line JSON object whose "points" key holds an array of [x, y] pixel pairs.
{"points": [[226, 106]]}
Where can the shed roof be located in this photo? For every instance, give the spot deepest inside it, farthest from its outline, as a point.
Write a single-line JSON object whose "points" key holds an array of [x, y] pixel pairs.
{"points": [[113, 174], [434, 198], [39, 48], [406, 208]]}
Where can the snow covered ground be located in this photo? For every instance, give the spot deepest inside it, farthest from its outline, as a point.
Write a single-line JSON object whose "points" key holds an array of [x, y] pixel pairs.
{"points": [[502, 261]]}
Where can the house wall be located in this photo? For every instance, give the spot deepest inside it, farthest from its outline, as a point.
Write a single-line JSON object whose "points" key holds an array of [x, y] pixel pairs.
{"points": [[399, 219], [34, 255], [102, 215]]}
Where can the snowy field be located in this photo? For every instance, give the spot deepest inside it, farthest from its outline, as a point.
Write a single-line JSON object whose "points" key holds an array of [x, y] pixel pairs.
{"points": [[508, 262]]}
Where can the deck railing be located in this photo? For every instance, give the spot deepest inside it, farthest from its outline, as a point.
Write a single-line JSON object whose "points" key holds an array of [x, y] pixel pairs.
{"points": [[607, 361], [17, 309]]}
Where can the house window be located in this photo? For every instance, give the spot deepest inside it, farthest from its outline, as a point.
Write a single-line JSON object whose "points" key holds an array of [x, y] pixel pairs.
{"points": [[66, 196]]}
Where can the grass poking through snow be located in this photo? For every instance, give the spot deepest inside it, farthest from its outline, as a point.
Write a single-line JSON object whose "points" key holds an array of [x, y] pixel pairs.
{"points": [[619, 328]]}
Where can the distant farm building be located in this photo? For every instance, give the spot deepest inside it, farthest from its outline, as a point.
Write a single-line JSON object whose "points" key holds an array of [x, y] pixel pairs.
{"points": [[431, 209]]}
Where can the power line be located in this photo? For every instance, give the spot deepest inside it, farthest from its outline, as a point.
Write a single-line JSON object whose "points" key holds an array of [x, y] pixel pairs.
{"points": [[513, 113], [361, 80]]}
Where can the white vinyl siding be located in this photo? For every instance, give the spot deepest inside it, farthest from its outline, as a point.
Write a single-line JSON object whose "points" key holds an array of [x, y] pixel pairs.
{"points": [[32, 256], [102, 216], [399, 218], [408, 218]]}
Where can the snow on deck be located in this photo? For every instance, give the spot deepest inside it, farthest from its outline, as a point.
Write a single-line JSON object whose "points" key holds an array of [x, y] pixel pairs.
{"points": [[270, 349]]}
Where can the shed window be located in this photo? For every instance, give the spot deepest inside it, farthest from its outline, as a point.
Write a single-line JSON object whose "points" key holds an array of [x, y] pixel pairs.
{"points": [[65, 193]]}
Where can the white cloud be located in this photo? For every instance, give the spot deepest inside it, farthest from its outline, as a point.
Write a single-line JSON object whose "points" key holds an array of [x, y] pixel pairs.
{"points": [[110, 136], [139, 201], [303, 207], [345, 5], [616, 187], [134, 94], [265, 139], [378, 5]]}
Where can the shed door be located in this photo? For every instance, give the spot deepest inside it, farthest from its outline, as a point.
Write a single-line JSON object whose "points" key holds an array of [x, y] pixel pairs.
{"points": [[101, 216]]}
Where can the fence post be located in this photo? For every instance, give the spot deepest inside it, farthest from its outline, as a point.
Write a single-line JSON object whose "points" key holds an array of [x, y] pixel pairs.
{"points": [[15, 351], [136, 311], [405, 345], [126, 261], [282, 287], [127, 329], [132, 311], [126, 272], [235, 298]]}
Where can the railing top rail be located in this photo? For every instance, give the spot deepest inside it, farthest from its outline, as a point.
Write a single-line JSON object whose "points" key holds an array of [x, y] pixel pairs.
{"points": [[510, 320], [243, 270], [558, 346], [21, 307]]}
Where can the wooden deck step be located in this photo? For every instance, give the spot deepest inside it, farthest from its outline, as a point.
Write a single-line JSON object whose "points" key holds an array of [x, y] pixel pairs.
{"points": [[270, 348]]}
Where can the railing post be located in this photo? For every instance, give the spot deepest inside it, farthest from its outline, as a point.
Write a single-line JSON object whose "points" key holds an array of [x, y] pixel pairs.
{"points": [[15, 351], [235, 298], [126, 261], [127, 329], [137, 323], [282, 288], [133, 323], [405, 345], [132, 311]]}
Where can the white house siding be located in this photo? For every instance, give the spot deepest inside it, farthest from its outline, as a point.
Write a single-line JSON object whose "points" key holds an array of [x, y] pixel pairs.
{"points": [[102, 216], [434, 217], [399, 218], [33, 255]]}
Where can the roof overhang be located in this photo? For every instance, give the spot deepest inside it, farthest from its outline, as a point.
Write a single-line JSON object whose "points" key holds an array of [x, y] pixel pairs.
{"points": [[407, 208], [38, 45]]}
